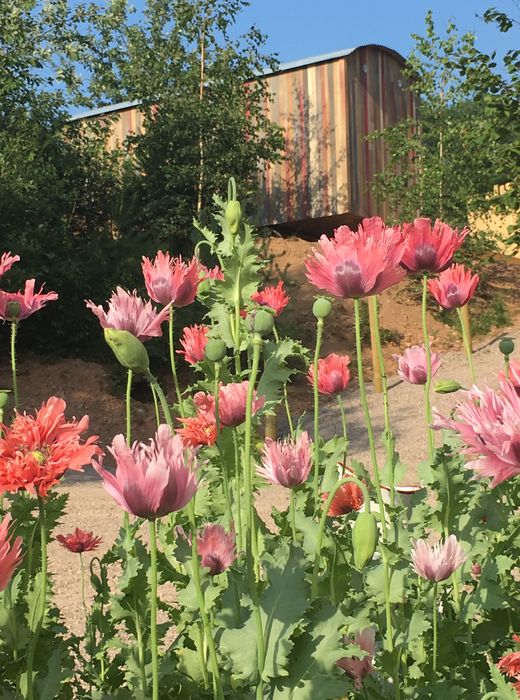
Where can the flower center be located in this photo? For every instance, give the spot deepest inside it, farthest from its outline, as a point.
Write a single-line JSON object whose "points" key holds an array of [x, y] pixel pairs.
{"points": [[348, 277], [38, 456], [453, 295], [425, 257]]}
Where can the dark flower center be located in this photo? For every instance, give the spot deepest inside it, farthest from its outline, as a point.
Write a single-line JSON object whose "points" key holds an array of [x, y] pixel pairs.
{"points": [[348, 277], [426, 257], [453, 295]]}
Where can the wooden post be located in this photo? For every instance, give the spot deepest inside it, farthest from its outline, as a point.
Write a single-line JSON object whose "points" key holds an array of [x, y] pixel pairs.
{"points": [[376, 367], [467, 324]]}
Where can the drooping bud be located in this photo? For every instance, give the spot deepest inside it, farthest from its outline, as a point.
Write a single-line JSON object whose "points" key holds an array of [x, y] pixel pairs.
{"points": [[215, 350], [364, 539], [233, 216], [128, 349], [321, 307], [506, 346], [447, 386], [13, 310]]}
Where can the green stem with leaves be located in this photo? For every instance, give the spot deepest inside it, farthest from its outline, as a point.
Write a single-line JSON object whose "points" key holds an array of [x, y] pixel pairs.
{"points": [[467, 346], [248, 468], [323, 520], [427, 402], [42, 602], [172, 363], [153, 609], [225, 479], [316, 467], [14, 329], [285, 394], [389, 437]]}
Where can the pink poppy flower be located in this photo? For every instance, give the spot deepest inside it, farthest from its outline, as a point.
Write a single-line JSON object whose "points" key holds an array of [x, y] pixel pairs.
{"points": [[454, 287], [216, 548], [7, 261], [430, 249], [437, 562], [412, 365], [151, 480], [210, 273], [488, 423], [193, 341], [513, 375], [15, 306], [10, 553], [356, 668], [286, 462], [333, 373], [231, 406], [355, 265], [273, 297], [170, 280], [79, 541], [128, 312]]}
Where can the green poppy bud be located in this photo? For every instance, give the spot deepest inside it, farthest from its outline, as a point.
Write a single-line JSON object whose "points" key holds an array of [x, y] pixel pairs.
{"points": [[263, 322], [128, 349], [13, 310], [233, 216], [447, 386], [4, 399], [321, 308], [215, 350], [506, 346], [364, 539]]}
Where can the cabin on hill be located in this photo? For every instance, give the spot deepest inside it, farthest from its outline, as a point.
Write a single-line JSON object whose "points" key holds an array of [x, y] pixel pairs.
{"points": [[327, 106]]}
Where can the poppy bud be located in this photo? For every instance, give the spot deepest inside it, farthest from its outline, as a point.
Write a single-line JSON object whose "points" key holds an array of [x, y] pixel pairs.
{"points": [[128, 349], [321, 308], [263, 322], [215, 350], [447, 386], [233, 216], [506, 346], [4, 399], [364, 539]]}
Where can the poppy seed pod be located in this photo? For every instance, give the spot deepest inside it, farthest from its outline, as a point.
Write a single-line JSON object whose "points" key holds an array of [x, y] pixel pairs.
{"points": [[506, 346], [321, 308], [4, 399], [215, 350], [263, 322], [364, 539], [13, 310], [128, 349]]}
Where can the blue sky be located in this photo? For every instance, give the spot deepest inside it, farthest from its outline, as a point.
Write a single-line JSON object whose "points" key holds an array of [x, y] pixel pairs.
{"points": [[301, 28]]}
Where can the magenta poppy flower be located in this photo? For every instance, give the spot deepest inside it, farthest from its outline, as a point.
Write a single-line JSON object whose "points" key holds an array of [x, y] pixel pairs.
{"points": [[171, 280], [454, 287], [194, 340], [273, 297], [356, 668], [437, 562], [10, 553], [488, 423], [333, 373], [7, 261], [151, 480], [79, 541], [412, 366], [216, 548], [354, 265], [15, 306], [430, 249], [128, 312], [231, 404], [286, 462]]}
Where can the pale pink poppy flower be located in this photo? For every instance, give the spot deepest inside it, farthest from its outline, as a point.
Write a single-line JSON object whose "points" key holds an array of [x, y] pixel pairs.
{"points": [[354, 265], [454, 287], [488, 423], [412, 366], [430, 248], [10, 553], [7, 261], [273, 297], [231, 403], [333, 373], [129, 312], [216, 548], [437, 562], [171, 280], [357, 669], [513, 375], [15, 306], [286, 462], [151, 480], [194, 340]]}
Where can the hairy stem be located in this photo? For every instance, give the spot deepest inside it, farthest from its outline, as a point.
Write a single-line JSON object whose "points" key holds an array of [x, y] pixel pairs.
{"points": [[427, 402]]}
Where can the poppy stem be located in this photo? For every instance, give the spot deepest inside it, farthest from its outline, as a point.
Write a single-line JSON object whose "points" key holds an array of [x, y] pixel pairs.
{"points": [[42, 601], [156, 405], [238, 491], [248, 475], [153, 609], [292, 513], [467, 345], [126, 519], [285, 394], [427, 403], [389, 437], [172, 363], [225, 480], [316, 472], [344, 425], [323, 520], [434, 629], [162, 398], [14, 329]]}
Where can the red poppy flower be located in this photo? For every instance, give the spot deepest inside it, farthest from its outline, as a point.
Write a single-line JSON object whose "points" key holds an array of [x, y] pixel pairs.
{"points": [[79, 541], [273, 297], [347, 499], [197, 431]]}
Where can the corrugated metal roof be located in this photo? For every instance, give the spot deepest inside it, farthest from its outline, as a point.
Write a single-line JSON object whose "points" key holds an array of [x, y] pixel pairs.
{"points": [[290, 65]]}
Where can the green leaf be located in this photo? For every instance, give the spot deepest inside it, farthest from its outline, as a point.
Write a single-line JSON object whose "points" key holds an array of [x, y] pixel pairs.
{"points": [[505, 689], [276, 372]]}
